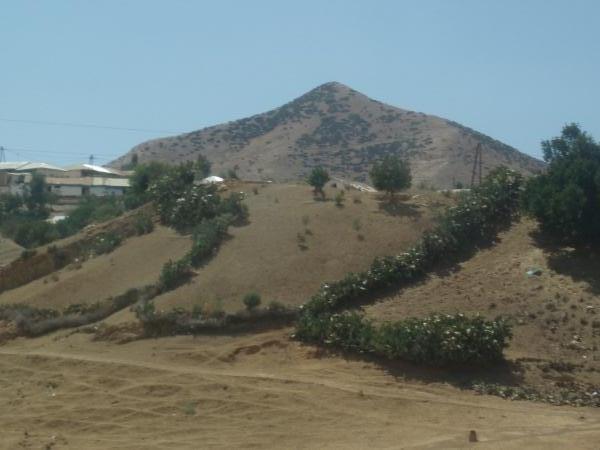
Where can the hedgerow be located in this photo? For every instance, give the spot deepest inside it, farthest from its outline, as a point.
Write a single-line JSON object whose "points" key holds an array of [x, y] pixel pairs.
{"points": [[474, 221], [434, 340]]}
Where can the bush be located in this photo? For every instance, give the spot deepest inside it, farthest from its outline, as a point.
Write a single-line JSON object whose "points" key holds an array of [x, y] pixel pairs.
{"points": [[206, 237], [105, 243], [174, 274], [443, 339], [234, 207], [252, 301], [179, 202], [436, 340], [392, 174], [566, 199], [31, 234], [317, 179], [143, 223]]}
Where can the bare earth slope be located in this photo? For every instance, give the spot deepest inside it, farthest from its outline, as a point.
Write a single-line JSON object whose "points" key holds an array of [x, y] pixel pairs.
{"points": [[266, 256], [343, 130], [135, 263], [9, 251]]}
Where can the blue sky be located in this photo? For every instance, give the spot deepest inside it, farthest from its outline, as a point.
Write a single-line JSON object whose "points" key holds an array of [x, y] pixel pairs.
{"points": [[516, 70]]}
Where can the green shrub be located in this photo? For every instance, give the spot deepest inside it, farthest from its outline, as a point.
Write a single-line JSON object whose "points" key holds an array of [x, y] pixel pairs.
{"points": [[339, 199], [206, 237], [174, 274], [105, 243], [252, 301], [234, 207], [566, 198], [143, 223], [443, 339], [436, 340], [31, 234], [318, 178]]}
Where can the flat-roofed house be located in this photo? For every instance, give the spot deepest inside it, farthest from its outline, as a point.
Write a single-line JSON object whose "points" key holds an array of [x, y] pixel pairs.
{"points": [[73, 188], [92, 170]]}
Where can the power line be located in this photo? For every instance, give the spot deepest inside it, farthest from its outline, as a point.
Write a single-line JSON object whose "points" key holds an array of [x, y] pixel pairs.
{"points": [[87, 125], [18, 151]]}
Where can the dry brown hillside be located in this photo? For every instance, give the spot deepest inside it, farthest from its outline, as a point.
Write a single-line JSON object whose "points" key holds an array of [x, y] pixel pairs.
{"points": [[343, 130]]}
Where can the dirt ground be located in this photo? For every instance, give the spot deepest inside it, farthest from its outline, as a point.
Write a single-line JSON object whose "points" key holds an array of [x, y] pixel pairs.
{"points": [[9, 251], [252, 391], [268, 257]]}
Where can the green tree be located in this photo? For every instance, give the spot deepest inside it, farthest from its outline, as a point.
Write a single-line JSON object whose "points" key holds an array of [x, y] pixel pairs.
{"points": [[202, 166], [566, 198], [145, 174], [392, 174], [318, 178], [37, 195]]}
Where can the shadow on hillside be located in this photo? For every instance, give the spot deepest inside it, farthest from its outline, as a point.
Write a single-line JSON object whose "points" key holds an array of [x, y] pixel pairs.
{"points": [[578, 263], [398, 208], [506, 373]]}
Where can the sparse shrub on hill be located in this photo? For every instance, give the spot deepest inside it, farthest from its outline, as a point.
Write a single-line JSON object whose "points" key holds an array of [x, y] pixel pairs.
{"points": [[143, 223], [391, 175], [318, 178], [252, 301], [475, 220], [234, 207], [566, 198], [35, 233], [174, 274], [206, 237], [105, 243]]}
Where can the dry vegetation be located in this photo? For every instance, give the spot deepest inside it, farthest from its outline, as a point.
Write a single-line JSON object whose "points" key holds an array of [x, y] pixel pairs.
{"points": [[343, 130]]}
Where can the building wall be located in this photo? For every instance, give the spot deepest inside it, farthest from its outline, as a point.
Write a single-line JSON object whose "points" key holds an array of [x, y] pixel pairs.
{"points": [[102, 191], [66, 191]]}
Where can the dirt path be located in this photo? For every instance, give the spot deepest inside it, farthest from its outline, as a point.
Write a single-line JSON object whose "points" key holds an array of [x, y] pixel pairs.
{"points": [[250, 391]]}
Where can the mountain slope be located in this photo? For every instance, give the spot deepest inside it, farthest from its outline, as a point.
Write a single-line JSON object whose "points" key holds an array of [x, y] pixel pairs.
{"points": [[343, 130]]}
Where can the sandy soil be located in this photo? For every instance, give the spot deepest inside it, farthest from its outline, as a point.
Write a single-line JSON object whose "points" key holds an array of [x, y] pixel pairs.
{"points": [[255, 391], [9, 251], [135, 263]]}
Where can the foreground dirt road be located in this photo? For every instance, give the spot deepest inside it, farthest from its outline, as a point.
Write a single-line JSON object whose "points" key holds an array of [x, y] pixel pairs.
{"points": [[253, 391]]}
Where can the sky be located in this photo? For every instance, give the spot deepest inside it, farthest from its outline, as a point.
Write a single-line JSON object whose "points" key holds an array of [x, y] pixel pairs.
{"points": [[517, 70]]}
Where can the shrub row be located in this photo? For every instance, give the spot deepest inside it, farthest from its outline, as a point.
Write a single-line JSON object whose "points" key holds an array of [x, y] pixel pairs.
{"points": [[31, 321], [475, 220], [180, 321], [435, 340]]}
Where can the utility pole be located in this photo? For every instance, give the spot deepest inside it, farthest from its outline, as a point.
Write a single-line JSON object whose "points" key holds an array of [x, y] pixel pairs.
{"points": [[91, 160], [2, 154], [477, 165]]}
